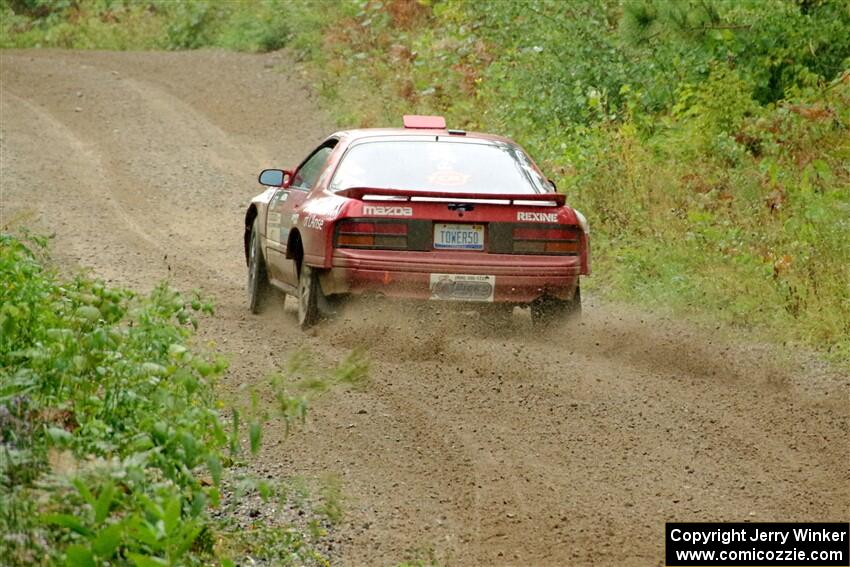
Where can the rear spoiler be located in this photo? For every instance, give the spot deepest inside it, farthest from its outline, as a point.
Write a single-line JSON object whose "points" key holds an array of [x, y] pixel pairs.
{"points": [[360, 192]]}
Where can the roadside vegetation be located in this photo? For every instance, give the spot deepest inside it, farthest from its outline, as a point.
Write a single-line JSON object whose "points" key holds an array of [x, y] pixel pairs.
{"points": [[148, 24], [113, 447], [707, 142]]}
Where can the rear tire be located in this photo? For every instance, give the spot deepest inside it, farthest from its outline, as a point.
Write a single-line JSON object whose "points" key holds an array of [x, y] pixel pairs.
{"points": [[548, 310], [258, 279], [308, 297]]}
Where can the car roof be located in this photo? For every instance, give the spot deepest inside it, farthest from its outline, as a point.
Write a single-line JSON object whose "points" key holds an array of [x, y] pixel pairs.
{"points": [[408, 133]]}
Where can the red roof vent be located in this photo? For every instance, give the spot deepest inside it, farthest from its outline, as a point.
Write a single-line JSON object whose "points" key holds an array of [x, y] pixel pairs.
{"points": [[429, 122]]}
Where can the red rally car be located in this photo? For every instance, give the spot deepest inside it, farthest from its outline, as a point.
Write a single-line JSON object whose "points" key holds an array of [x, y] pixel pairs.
{"points": [[421, 212]]}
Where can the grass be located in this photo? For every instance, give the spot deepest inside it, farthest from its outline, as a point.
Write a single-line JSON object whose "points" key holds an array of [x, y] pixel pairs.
{"points": [[261, 25], [302, 376], [332, 499], [424, 556]]}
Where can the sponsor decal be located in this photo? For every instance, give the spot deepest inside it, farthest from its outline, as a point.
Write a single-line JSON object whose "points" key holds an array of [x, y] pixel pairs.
{"points": [[448, 178], [388, 211], [274, 218], [314, 222], [529, 216], [462, 287], [326, 207]]}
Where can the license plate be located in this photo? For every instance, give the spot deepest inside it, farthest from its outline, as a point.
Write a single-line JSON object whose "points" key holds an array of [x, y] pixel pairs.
{"points": [[459, 236], [462, 287]]}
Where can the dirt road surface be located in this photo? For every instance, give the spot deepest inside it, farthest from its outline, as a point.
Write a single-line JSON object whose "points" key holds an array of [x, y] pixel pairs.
{"points": [[485, 446]]}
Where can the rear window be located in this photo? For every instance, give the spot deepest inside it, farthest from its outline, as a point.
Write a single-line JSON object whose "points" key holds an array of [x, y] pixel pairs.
{"points": [[431, 165]]}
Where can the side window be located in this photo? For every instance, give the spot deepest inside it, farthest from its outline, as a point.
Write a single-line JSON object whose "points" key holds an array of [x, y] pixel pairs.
{"points": [[309, 172]]}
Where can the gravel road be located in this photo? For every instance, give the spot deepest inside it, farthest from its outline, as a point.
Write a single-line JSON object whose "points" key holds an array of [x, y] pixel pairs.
{"points": [[482, 446]]}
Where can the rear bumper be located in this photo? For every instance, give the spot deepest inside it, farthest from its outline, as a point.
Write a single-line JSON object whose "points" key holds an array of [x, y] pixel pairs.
{"points": [[515, 278]]}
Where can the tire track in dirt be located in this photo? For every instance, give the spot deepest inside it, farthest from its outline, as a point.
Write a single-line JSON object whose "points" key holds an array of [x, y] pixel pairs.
{"points": [[489, 446], [72, 188], [150, 187]]}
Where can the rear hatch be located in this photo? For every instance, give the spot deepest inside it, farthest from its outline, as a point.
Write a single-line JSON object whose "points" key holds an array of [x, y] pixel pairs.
{"points": [[389, 219]]}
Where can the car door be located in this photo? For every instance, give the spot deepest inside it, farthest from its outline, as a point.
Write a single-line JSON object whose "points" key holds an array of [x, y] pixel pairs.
{"points": [[283, 211]]}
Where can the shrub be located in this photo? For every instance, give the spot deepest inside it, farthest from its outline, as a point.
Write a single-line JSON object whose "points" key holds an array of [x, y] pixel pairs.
{"points": [[111, 446]]}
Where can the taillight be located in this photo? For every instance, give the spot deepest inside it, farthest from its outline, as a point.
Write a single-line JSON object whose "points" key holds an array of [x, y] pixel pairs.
{"points": [[548, 240], [371, 234]]}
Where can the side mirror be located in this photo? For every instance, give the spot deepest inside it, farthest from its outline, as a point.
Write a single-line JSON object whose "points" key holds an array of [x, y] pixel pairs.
{"points": [[274, 177]]}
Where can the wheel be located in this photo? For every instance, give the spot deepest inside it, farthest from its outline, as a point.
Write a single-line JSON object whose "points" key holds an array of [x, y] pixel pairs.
{"points": [[258, 279], [547, 310], [309, 291]]}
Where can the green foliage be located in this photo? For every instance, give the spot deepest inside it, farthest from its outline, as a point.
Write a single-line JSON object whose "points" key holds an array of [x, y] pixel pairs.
{"points": [[331, 498], [266, 537], [275, 546], [301, 377], [353, 370], [111, 447], [288, 394], [424, 556], [262, 25], [96, 24], [188, 24], [266, 27]]}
